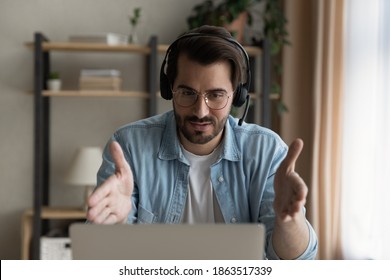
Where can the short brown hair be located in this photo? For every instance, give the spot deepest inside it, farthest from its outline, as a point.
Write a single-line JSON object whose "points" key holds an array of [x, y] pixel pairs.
{"points": [[215, 45]]}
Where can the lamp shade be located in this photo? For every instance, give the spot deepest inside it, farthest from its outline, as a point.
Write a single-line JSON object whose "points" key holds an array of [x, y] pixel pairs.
{"points": [[84, 166]]}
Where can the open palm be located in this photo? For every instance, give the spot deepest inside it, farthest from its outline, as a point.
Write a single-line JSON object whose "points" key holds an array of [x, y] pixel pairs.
{"points": [[110, 203], [290, 189]]}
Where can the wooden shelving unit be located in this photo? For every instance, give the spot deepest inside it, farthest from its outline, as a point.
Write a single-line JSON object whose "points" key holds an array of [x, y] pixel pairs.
{"points": [[42, 48]]}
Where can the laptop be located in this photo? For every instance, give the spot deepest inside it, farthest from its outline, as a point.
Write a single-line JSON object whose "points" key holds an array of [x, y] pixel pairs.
{"points": [[167, 242]]}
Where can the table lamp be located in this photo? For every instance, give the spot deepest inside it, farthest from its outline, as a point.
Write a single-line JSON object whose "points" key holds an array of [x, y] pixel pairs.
{"points": [[83, 169]]}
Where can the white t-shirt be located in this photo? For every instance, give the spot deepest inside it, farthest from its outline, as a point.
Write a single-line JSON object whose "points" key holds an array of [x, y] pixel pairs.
{"points": [[201, 205]]}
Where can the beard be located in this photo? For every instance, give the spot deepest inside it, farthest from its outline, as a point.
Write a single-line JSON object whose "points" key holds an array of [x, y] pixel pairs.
{"points": [[196, 136]]}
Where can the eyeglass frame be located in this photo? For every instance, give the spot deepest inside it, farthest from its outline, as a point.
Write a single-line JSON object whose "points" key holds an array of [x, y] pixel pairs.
{"points": [[204, 95]]}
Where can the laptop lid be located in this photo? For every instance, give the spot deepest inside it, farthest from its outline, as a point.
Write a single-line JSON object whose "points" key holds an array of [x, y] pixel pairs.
{"points": [[167, 242]]}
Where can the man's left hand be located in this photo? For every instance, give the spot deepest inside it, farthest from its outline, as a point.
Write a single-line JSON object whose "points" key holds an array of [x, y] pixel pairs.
{"points": [[290, 189]]}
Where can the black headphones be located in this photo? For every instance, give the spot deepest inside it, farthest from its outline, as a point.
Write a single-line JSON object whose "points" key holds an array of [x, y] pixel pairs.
{"points": [[241, 92]]}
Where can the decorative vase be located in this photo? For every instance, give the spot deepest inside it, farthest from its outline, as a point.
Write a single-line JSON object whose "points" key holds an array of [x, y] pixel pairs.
{"points": [[133, 37]]}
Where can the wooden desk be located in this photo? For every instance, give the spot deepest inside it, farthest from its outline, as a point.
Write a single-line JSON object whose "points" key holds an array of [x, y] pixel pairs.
{"points": [[47, 213]]}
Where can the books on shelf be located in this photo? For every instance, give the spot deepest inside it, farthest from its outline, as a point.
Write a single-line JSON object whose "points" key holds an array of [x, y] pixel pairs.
{"points": [[100, 73], [100, 79], [112, 39], [100, 83]]}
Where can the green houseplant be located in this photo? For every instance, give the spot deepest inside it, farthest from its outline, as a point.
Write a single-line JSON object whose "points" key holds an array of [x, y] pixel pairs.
{"points": [[275, 31], [226, 11], [218, 14], [134, 21], [222, 14]]}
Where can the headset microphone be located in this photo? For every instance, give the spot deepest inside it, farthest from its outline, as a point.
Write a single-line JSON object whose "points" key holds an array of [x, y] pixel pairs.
{"points": [[245, 112]]}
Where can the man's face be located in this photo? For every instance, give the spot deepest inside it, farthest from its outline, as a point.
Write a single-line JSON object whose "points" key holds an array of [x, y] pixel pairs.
{"points": [[200, 128]]}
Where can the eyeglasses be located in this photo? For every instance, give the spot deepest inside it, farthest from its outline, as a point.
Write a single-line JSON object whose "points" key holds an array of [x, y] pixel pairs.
{"points": [[214, 99]]}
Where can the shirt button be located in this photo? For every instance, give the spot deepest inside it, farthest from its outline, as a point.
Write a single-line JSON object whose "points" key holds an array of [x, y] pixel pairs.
{"points": [[233, 220], [220, 179]]}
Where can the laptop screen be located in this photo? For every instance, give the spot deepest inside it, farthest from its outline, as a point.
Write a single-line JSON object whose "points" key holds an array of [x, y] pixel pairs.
{"points": [[168, 242]]}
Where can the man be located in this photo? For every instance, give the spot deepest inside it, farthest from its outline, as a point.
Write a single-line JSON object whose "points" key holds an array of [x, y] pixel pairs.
{"points": [[196, 164]]}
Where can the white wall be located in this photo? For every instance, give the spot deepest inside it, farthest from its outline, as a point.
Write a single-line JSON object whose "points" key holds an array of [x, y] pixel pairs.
{"points": [[75, 121]]}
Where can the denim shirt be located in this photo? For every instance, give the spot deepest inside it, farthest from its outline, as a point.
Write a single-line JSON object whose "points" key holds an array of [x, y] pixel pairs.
{"points": [[242, 177]]}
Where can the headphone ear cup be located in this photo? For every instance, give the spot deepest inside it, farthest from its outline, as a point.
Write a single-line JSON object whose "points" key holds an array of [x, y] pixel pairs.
{"points": [[240, 96], [165, 88]]}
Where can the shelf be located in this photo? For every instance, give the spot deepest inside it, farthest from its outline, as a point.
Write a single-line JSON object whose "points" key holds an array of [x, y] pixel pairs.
{"points": [[88, 47], [272, 96], [251, 50], [70, 46], [95, 93], [102, 93], [59, 213]]}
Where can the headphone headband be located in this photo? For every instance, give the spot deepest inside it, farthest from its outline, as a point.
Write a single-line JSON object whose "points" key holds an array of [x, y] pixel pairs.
{"points": [[242, 90]]}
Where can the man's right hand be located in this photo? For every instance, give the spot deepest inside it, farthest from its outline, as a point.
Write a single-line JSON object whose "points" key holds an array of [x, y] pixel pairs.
{"points": [[110, 203]]}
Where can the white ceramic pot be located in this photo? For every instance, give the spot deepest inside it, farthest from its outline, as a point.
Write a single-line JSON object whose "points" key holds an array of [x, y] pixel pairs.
{"points": [[54, 85]]}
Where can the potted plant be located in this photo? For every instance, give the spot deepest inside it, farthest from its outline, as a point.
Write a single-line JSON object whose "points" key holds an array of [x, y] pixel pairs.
{"points": [[228, 11], [231, 14], [134, 20], [54, 82]]}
